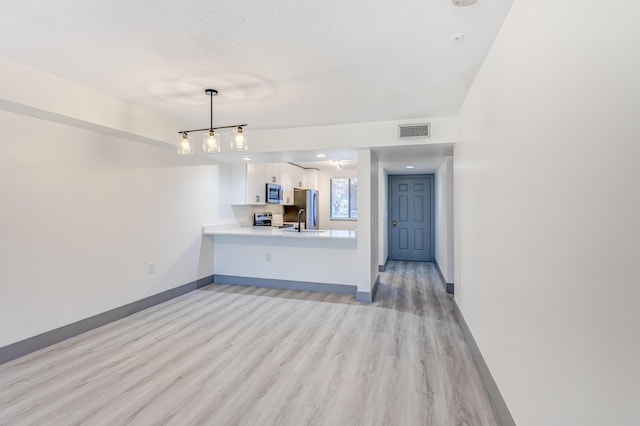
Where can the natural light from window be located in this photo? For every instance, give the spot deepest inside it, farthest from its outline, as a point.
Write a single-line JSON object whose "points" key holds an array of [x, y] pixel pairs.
{"points": [[344, 198]]}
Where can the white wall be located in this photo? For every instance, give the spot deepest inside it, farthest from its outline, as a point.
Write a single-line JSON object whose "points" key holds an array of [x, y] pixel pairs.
{"points": [[324, 191], [35, 93], [383, 214], [297, 259], [82, 214], [351, 136], [367, 257], [444, 218], [546, 212], [374, 201], [91, 192]]}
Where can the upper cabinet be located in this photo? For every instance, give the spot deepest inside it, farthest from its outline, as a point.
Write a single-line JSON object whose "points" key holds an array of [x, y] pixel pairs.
{"points": [[273, 173], [256, 189], [292, 177], [297, 177], [311, 178], [285, 174]]}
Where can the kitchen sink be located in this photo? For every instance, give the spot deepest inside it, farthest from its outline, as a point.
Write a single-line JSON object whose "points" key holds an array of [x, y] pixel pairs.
{"points": [[305, 230]]}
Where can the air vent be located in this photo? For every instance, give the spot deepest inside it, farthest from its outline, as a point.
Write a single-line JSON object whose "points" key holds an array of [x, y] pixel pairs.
{"points": [[406, 131]]}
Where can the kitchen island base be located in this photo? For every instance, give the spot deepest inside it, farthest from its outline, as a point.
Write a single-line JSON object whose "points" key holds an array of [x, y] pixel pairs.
{"points": [[321, 261]]}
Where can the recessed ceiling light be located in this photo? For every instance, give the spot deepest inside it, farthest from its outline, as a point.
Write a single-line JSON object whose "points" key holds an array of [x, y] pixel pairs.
{"points": [[247, 158], [409, 167], [321, 155]]}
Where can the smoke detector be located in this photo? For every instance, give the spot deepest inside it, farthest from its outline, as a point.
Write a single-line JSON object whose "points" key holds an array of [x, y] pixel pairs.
{"points": [[461, 3]]}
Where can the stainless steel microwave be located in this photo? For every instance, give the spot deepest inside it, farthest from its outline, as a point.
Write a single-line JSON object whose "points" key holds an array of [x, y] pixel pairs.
{"points": [[274, 193]]}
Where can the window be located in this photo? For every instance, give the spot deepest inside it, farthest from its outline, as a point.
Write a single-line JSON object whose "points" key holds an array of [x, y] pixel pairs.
{"points": [[344, 198]]}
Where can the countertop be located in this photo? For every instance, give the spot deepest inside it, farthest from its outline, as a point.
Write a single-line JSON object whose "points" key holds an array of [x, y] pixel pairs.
{"points": [[267, 231]]}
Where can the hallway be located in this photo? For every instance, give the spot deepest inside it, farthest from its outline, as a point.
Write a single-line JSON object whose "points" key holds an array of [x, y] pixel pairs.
{"points": [[245, 355]]}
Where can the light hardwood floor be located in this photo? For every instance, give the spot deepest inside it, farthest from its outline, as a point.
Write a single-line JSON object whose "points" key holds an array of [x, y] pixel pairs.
{"points": [[231, 355]]}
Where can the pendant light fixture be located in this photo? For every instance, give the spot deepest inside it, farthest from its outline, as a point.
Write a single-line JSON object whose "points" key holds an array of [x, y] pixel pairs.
{"points": [[211, 139], [185, 144], [239, 141]]}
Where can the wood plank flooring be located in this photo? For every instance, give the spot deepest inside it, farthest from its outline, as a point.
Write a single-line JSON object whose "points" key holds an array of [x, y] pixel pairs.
{"points": [[233, 355]]}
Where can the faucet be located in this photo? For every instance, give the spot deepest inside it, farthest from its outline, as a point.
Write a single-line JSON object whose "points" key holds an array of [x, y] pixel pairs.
{"points": [[301, 212]]}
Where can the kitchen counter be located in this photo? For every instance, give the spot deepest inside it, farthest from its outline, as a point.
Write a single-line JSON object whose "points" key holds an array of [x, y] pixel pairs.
{"points": [[267, 231], [318, 260]]}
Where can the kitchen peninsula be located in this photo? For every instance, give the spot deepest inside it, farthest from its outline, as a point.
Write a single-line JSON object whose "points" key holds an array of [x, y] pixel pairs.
{"points": [[312, 260]]}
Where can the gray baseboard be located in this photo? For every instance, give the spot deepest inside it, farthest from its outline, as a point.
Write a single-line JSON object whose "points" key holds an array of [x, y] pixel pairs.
{"points": [[495, 397], [447, 286], [364, 297], [285, 284], [368, 297], [382, 268], [32, 344], [374, 290]]}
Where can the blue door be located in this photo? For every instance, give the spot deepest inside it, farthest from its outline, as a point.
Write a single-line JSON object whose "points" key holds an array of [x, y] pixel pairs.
{"points": [[410, 217]]}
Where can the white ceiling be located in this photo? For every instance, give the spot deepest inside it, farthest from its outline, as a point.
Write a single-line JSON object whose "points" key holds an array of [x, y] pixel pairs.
{"points": [[394, 159], [276, 63], [423, 158], [340, 163]]}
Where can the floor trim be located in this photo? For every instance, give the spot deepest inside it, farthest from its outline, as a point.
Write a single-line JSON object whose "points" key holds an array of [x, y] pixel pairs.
{"points": [[495, 397], [382, 268], [375, 288], [447, 286], [368, 297], [285, 284], [364, 297], [32, 344]]}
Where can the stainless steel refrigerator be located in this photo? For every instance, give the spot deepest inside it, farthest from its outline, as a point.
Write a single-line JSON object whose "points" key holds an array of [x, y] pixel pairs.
{"points": [[306, 199]]}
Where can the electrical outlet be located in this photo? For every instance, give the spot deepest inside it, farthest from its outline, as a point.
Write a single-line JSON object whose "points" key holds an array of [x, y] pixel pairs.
{"points": [[151, 268], [268, 257]]}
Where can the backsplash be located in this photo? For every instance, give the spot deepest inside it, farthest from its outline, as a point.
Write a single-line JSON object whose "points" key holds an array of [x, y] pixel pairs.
{"points": [[244, 213]]}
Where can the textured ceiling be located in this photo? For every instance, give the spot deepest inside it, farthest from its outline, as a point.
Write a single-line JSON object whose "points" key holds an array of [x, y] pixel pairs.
{"points": [[276, 64]]}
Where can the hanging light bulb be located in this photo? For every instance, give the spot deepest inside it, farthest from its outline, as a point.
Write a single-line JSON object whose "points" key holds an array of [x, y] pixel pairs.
{"points": [[185, 144], [211, 142], [239, 141]]}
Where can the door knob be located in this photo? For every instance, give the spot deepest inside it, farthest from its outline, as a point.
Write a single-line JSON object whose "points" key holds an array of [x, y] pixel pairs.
{"points": [[395, 223]]}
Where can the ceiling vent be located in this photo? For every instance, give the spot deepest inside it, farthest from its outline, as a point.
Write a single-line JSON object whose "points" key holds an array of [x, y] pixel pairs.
{"points": [[408, 131]]}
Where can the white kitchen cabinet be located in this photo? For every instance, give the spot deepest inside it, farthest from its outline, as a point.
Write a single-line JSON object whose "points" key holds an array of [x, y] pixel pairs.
{"points": [[297, 176], [273, 173], [286, 171], [285, 174], [311, 179], [256, 189]]}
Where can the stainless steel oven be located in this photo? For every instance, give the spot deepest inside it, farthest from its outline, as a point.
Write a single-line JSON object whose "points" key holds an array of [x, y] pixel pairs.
{"points": [[262, 219]]}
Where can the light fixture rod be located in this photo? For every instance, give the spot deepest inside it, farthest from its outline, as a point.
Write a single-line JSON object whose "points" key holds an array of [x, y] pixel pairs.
{"points": [[211, 141], [212, 128], [211, 93]]}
